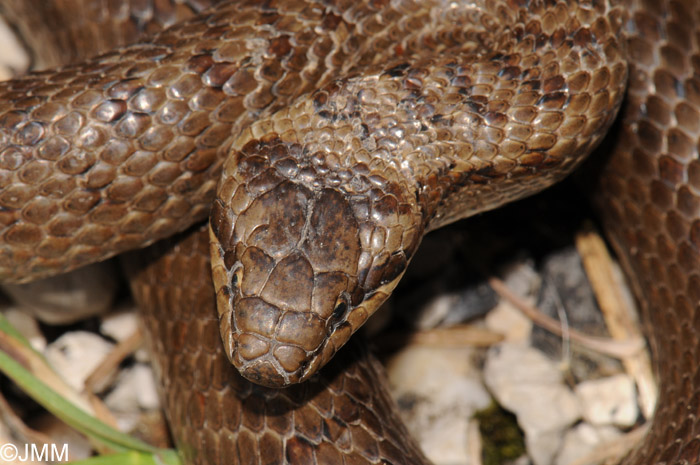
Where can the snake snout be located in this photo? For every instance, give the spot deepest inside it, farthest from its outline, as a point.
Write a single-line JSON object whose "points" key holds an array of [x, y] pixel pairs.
{"points": [[278, 332]]}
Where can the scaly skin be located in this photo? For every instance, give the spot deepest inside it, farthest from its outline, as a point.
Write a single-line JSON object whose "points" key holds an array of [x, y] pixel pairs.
{"points": [[352, 128], [322, 205], [345, 415]]}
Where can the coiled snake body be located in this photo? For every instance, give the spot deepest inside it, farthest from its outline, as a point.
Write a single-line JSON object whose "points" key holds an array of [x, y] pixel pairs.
{"points": [[345, 131]]}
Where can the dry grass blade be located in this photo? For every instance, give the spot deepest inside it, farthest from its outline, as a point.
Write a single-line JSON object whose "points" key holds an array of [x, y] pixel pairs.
{"points": [[613, 348], [618, 311]]}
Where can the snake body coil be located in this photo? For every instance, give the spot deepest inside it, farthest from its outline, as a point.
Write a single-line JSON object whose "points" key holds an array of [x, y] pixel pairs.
{"points": [[344, 131]]}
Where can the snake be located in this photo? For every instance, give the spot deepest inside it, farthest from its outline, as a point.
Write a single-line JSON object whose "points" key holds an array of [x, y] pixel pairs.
{"points": [[324, 139]]}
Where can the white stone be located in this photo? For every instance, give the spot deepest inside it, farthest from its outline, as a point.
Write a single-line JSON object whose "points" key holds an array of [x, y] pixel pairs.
{"points": [[530, 385], [135, 390], [123, 323], [523, 279], [444, 390], [435, 310], [609, 401], [543, 446], [582, 440], [120, 324], [507, 320], [75, 356]]}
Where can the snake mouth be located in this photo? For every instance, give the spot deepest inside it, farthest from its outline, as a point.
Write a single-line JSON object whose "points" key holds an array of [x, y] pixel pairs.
{"points": [[268, 370], [280, 364], [276, 347], [273, 363]]}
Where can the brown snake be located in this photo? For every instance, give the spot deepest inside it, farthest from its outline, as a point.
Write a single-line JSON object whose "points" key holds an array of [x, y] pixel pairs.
{"points": [[351, 129]]}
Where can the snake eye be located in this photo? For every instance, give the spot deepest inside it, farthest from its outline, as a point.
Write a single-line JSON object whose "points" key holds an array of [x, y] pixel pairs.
{"points": [[236, 278], [339, 312]]}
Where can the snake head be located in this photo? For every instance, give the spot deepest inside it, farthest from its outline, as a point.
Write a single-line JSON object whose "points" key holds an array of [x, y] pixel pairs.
{"points": [[301, 257]]}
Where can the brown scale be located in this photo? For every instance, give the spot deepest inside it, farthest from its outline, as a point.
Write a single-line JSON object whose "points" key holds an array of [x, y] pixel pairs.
{"points": [[327, 194]]}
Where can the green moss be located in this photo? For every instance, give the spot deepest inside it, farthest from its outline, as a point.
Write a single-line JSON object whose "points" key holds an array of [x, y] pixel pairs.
{"points": [[503, 441]]}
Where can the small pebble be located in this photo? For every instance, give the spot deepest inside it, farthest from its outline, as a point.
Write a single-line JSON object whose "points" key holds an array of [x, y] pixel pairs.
{"points": [[438, 390], [120, 324], [507, 320], [435, 310], [543, 446], [609, 401], [523, 279], [582, 440], [75, 356], [135, 390], [530, 385]]}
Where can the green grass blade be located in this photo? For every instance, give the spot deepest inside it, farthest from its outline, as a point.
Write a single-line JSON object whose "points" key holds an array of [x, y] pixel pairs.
{"points": [[63, 409]]}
